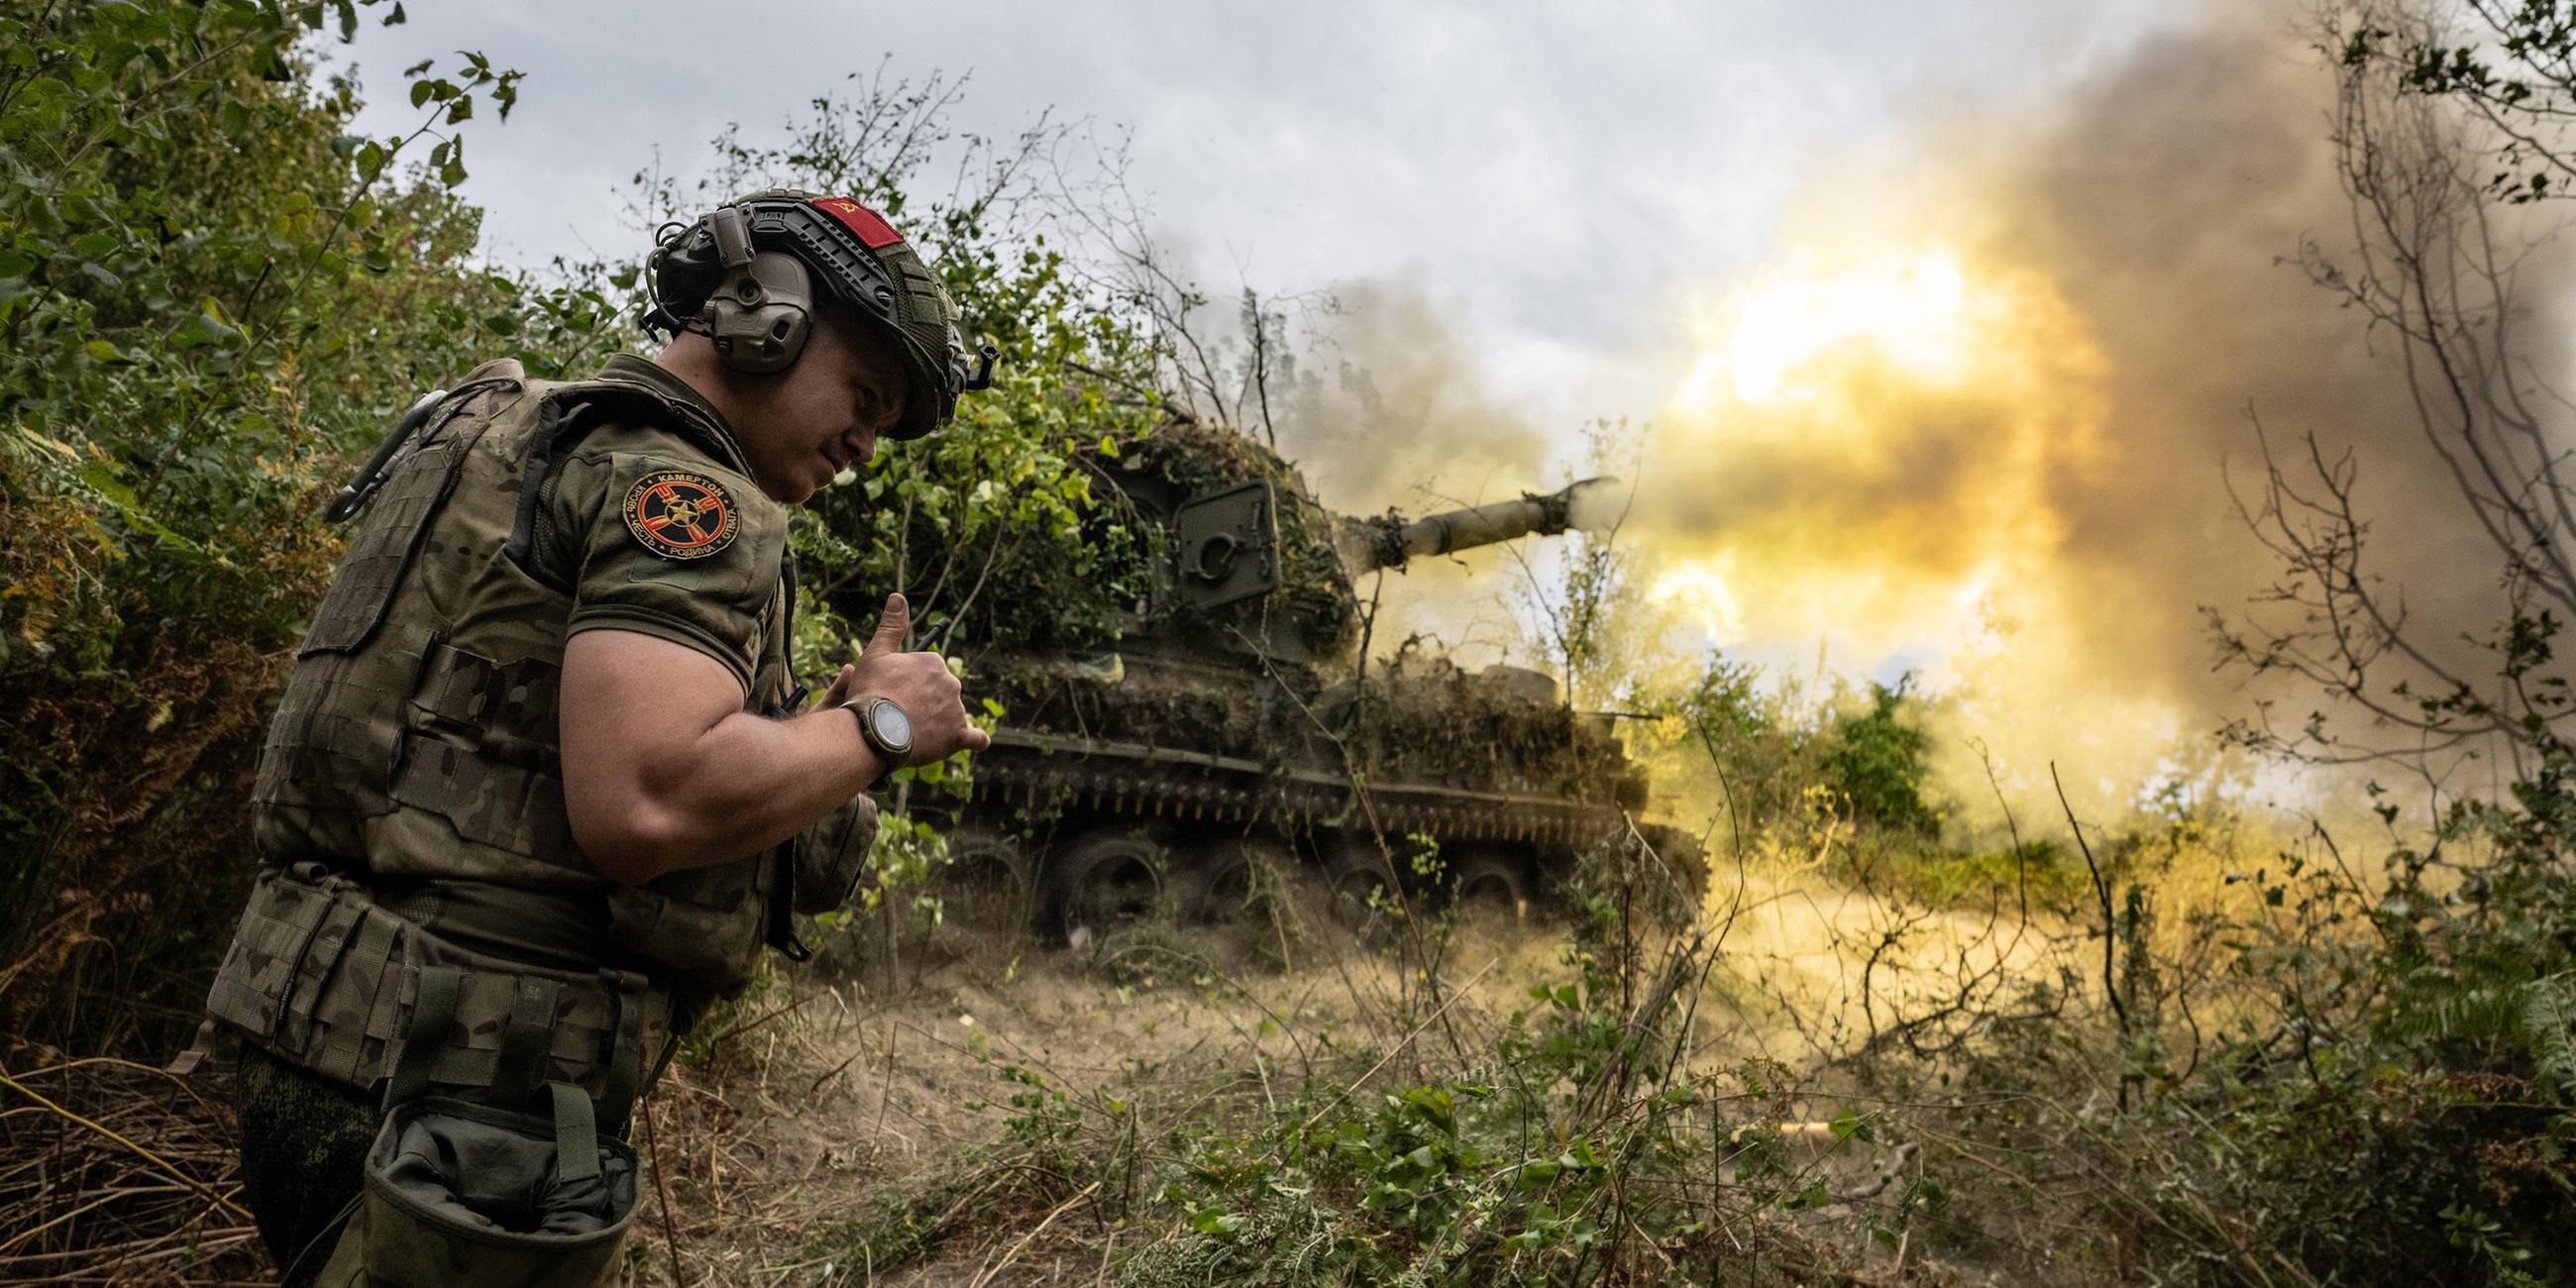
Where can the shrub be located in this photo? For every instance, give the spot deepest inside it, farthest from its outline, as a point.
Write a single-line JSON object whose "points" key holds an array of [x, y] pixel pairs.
{"points": [[1877, 760], [211, 296]]}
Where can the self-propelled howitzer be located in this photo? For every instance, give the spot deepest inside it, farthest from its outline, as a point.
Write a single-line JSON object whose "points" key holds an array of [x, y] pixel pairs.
{"points": [[1233, 724]]}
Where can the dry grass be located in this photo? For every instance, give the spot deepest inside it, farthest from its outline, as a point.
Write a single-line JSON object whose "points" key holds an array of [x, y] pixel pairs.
{"points": [[855, 1129], [119, 1173]]}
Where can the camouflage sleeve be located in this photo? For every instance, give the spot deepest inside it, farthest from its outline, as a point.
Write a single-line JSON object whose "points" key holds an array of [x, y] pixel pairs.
{"points": [[675, 549]]}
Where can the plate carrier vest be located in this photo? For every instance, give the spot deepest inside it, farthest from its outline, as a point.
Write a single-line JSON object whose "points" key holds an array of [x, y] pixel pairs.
{"points": [[417, 739]]}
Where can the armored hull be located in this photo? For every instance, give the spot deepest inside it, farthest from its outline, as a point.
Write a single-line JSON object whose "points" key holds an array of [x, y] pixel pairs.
{"points": [[1234, 725]]}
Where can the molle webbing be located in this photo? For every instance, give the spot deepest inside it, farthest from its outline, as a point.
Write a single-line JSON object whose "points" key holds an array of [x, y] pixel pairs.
{"points": [[509, 707], [479, 749], [327, 979]]}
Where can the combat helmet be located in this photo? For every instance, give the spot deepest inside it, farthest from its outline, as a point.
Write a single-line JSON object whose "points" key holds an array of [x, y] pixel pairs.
{"points": [[745, 275]]}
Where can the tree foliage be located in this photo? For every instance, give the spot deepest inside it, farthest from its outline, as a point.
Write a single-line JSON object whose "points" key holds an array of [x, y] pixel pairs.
{"points": [[1878, 761], [211, 294], [2511, 64]]}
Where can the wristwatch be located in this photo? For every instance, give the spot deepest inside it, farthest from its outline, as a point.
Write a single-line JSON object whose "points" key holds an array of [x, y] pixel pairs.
{"points": [[886, 728]]}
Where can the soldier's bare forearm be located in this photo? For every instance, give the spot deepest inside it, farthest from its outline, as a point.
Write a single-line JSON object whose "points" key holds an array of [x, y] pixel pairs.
{"points": [[663, 769], [747, 784]]}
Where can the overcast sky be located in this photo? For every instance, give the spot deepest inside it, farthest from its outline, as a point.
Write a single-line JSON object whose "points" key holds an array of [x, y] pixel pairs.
{"points": [[1558, 178]]}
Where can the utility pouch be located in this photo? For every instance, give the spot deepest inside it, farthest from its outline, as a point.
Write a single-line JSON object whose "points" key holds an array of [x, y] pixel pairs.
{"points": [[830, 856], [485, 1195], [313, 973], [322, 976], [703, 923]]}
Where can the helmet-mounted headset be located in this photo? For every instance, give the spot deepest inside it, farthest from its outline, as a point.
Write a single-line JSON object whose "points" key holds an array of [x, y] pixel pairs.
{"points": [[745, 276]]}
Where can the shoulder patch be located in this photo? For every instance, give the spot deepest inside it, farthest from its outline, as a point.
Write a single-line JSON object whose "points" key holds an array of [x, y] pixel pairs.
{"points": [[678, 514]]}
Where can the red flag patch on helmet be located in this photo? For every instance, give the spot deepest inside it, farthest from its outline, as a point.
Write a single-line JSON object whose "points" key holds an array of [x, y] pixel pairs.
{"points": [[872, 229]]}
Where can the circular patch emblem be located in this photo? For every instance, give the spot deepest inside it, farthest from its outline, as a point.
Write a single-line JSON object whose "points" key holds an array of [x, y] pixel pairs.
{"points": [[679, 515]]}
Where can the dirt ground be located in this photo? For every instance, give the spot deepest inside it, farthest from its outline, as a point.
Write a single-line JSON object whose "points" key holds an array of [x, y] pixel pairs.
{"points": [[857, 1094], [864, 1089]]}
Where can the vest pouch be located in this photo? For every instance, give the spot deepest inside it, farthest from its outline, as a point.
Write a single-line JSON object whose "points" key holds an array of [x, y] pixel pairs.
{"points": [[313, 972], [478, 751], [831, 856], [705, 923], [468, 1196]]}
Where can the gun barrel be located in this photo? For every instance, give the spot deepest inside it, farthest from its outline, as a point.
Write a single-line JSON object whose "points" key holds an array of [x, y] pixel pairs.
{"points": [[1391, 541]]}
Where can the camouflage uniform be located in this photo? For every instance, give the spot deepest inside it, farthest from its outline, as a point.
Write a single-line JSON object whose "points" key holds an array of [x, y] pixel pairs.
{"points": [[410, 790]]}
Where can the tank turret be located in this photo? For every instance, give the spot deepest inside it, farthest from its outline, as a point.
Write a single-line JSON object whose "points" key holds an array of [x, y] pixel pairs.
{"points": [[1233, 725]]}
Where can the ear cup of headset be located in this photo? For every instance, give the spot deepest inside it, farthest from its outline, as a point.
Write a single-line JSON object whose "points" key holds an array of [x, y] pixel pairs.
{"points": [[760, 315], [680, 274]]}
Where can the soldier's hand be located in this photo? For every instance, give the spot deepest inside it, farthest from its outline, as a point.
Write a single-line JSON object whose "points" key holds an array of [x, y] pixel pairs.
{"points": [[920, 683]]}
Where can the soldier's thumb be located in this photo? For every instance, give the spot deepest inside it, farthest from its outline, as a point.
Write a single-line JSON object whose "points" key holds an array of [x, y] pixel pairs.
{"points": [[893, 626]]}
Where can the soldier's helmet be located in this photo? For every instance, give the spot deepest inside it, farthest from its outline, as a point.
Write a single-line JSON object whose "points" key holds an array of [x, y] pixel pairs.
{"points": [[856, 257]]}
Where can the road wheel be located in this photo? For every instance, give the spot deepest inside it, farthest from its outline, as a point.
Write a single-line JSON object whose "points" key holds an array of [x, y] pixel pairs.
{"points": [[1248, 891], [1105, 879], [1489, 885], [1365, 896], [1221, 882], [987, 882]]}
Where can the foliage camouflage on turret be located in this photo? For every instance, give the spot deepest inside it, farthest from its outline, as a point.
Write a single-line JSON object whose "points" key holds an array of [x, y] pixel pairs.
{"points": [[1315, 596]]}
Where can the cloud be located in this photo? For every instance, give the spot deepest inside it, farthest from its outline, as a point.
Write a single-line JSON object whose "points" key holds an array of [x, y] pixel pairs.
{"points": [[1547, 171]]}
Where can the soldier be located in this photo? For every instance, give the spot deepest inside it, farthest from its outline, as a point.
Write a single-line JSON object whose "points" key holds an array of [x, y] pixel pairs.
{"points": [[541, 786]]}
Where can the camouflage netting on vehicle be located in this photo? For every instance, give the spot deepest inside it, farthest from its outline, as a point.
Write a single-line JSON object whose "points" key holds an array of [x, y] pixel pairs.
{"points": [[1138, 700], [1424, 719], [1425, 722], [1314, 599]]}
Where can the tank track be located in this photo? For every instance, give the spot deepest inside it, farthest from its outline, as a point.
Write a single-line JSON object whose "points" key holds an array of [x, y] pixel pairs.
{"points": [[1134, 780]]}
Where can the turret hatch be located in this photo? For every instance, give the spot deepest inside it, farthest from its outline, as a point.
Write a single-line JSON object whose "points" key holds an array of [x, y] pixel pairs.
{"points": [[1228, 546]]}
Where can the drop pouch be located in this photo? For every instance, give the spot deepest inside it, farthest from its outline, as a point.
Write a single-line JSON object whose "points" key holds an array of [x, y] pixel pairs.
{"points": [[470, 1196], [467, 1195]]}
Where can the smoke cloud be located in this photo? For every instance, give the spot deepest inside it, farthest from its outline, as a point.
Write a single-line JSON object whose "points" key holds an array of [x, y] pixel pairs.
{"points": [[1979, 423], [1974, 417], [1390, 411]]}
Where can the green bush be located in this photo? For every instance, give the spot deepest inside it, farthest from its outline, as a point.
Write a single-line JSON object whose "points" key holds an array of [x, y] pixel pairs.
{"points": [[1877, 761], [211, 297]]}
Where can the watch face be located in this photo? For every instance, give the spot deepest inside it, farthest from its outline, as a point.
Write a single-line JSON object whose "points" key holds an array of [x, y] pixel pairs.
{"points": [[891, 724]]}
